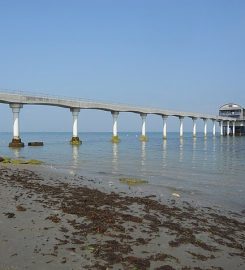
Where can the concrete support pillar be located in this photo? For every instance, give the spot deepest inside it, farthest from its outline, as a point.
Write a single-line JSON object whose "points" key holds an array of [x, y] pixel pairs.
{"points": [[234, 128], [181, 129], [221, 128], [115, 138], [143, 116], [205, 127], [164, 131], [228, 128], [143, 136], [214, 128], [16, 141], [194, 130], [75, 139]]}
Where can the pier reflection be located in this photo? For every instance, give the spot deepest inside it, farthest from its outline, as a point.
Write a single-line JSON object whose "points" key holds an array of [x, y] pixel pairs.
{"points": [[75, 155], [164, 153], [205, 148], [232, 153], [181, 149], [214, 150], [115, 157], [214, 143], [194, 146], [16, 152], [143, 154]]}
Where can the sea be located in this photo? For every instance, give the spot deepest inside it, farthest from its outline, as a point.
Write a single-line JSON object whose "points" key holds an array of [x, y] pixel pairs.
{"points": [[207, 171]]}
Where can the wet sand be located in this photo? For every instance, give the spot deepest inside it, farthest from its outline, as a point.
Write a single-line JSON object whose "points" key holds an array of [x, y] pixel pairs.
{"points": [[50, 220]]}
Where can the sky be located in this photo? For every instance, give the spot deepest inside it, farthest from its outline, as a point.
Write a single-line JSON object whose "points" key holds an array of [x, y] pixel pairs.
{"points": [[185, 55]]}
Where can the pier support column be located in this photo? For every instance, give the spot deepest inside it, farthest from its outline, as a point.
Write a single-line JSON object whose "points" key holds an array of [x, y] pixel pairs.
{"points": [[214, 128], [205, 127], [164, 131], [115, 138], [181, 130], [75, 139], [16, 141], [194, 129], [234, 128], [228, 128], [221, 128], [143, 136]]}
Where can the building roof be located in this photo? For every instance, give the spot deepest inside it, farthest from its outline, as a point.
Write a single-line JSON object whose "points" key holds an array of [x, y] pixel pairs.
{"points": [[230, 106]]}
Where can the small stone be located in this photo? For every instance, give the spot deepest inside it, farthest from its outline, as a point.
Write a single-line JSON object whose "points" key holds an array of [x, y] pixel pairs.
{"points": [[20, 208], [54, 218], [35, 143], [63, 260], [176, 195], [9, 215]]}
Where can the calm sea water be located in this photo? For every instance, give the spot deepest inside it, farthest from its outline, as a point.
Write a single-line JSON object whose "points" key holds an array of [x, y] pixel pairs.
{"points": [[206, 170]]}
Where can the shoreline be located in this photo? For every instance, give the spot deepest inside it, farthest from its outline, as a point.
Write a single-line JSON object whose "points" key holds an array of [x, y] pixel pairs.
{"points": [[47, 220], [199, 170]]}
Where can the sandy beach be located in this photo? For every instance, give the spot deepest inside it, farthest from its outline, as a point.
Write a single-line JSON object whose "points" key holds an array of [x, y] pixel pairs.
{"points": [[49, 221]]}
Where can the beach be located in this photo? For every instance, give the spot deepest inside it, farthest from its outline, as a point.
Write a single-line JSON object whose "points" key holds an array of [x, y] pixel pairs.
{"points": [[53, 220], [122, 135]]}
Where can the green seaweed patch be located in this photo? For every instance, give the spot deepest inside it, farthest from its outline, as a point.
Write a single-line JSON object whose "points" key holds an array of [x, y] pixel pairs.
{"points": [[21, 161], [115, 139], [132, 181], [75, 141], [35, 162], [144, 138], [6, 160]]}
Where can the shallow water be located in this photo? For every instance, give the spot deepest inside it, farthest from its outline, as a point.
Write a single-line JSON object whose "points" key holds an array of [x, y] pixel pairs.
{"points": [[207, 170]]}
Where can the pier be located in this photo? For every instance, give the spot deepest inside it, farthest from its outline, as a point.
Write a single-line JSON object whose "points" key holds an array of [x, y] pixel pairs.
{"points": [[17, 100]]}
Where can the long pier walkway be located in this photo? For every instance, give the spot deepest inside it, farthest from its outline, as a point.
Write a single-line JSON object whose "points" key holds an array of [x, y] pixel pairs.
{"points": [[18, 99]]}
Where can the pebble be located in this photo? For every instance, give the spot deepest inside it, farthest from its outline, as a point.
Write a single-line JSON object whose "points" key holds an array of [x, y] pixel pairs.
{"points": [[176, 195]]}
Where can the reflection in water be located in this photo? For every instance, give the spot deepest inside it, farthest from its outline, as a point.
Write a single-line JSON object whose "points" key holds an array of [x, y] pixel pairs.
{"points": [[75, 155], [194, 145], [143, 154], [16, 152], [115, 157], [164, 153], [214, 143], [232, 153], [225, 152], [194, 141], [221, 145], [181, 148], [214, 150], [219, 179], [205, 148]]}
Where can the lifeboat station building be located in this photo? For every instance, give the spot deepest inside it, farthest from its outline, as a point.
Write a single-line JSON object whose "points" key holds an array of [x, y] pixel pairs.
{"points": [[238, 113]]}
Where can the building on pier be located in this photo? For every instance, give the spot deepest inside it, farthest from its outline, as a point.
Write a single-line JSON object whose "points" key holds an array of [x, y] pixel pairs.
{"points": [[238, 113]]}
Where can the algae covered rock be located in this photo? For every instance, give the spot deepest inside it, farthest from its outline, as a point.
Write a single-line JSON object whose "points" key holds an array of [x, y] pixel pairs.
{"points": [[132, 181], [21, 161], [115, 139], [30, 162], [144, 138], [75, 141], [35, 143], [34, 162], [6, 160]]}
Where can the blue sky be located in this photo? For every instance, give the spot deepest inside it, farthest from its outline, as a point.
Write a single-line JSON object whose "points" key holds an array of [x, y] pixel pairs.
{"points": [[183, 55]]}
